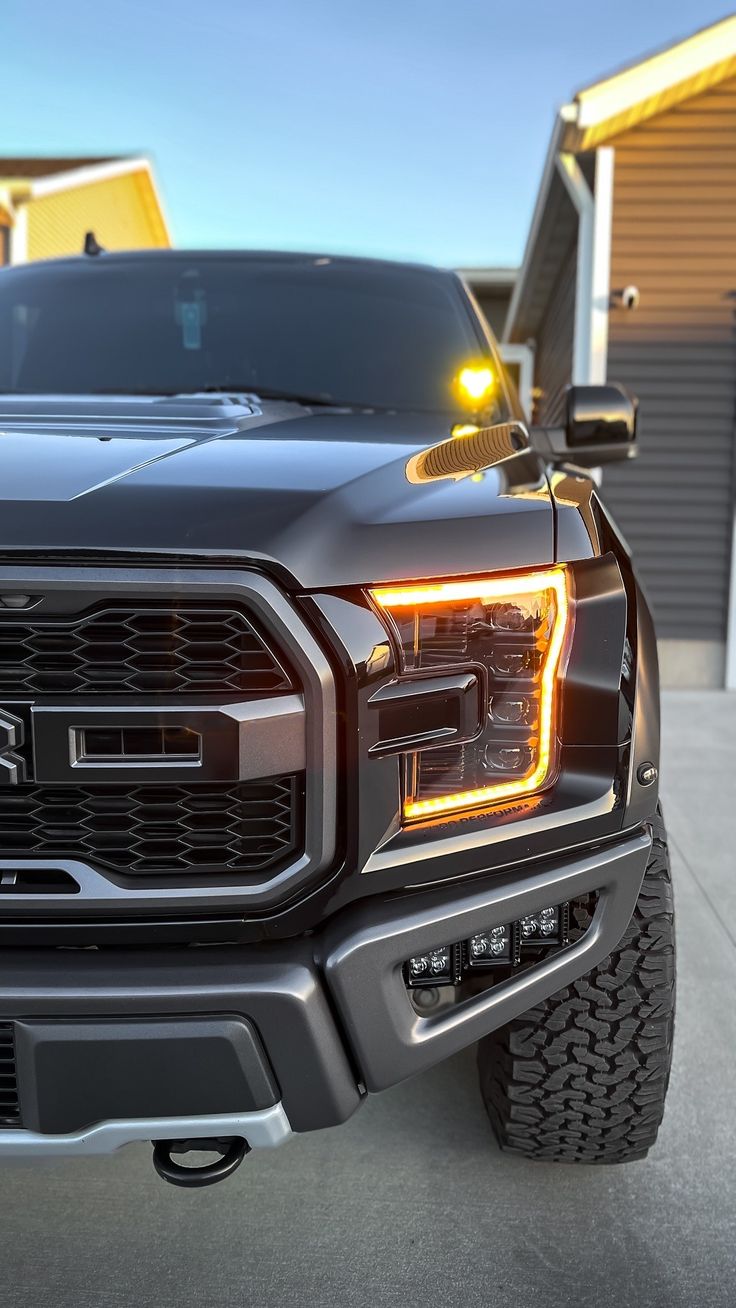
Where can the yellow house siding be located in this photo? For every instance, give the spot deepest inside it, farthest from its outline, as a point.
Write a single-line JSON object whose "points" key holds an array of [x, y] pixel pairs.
{"points": [[122, 211]]}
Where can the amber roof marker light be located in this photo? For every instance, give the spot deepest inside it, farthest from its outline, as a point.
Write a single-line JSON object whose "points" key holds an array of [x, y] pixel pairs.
{"points": [[474, 384], [548, 592]]}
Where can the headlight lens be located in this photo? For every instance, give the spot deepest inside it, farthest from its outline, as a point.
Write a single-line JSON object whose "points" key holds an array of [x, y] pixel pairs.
{"points": [[516, 629]]}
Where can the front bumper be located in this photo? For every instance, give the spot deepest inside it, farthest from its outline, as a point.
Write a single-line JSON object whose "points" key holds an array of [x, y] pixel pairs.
{"points": [[329, 1014]]}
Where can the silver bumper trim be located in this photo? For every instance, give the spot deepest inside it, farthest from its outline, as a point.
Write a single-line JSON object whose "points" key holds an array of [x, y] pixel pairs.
{"points": [[263, 1129]]}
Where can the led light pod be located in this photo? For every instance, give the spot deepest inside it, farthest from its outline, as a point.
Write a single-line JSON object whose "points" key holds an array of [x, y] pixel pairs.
{"points": [[435, 963], [510, 945], [435, 967], [514, 627], [492, 946], [548, 926]]}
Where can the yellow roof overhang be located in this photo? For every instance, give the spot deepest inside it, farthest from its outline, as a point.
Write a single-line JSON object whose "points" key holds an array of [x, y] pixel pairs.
{"points": [[21, 190], [608, 108]]}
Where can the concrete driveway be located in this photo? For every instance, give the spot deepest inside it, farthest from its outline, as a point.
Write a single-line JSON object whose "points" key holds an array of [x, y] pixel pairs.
{"points": [[411, 1203]]}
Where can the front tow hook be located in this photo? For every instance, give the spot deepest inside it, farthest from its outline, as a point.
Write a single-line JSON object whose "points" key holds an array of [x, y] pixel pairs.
{"points": [[232, 1150]]}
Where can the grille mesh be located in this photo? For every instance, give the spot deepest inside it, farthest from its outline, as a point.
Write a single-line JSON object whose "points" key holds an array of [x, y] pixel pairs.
{"points": [[9, 1105], [150, 649], [246, 827]]}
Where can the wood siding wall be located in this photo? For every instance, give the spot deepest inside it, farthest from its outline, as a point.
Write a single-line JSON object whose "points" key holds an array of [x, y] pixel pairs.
{"points": [[553, 362], [674, 236]]}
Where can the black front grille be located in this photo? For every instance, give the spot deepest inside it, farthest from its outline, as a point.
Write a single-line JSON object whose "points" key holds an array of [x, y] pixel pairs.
{"points": [[245, 827], [147, 650], [9, 1105]]}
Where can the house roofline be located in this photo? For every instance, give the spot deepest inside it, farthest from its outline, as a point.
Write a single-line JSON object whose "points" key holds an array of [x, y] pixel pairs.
{"points": [[615, 104], [485, 276], [565, 115], [86, 175], [653, 84]]}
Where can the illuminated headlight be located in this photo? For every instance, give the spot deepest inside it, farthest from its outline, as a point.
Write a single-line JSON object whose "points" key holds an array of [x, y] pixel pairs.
{"points": [[515, 628]]}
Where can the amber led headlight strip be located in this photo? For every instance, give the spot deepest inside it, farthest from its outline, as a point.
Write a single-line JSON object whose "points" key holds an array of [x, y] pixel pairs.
{"points": [[516, 627]]}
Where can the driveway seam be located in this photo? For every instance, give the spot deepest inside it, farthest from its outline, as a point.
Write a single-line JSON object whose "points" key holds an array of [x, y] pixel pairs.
{"points": [[719, 919]]}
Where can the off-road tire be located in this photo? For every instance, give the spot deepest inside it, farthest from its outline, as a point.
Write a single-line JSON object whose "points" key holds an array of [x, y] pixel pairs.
{"points": [[582, 1077]]}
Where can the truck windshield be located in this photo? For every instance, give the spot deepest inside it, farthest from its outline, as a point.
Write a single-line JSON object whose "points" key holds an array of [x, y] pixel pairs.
{"points": [[341, 332]]}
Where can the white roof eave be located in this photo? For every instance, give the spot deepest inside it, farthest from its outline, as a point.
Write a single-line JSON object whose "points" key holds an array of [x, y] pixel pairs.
{"points": [[566, 116]]}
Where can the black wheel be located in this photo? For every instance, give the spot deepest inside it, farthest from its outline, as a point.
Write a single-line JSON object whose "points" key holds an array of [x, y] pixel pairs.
{"points": [[583, 1076]]}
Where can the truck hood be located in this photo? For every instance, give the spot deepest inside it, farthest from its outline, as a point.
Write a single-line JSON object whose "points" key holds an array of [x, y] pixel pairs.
{"points": [[326, 496]]}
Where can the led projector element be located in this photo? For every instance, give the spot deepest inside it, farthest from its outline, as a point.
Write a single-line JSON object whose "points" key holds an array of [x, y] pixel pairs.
{"points": [[540, 926], [490, 946], [435, 967], [432, 968], [515, 627]]}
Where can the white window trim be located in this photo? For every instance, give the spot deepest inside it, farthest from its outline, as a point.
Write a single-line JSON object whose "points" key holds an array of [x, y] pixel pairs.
{"points": [[600, 303], [523, 355], [593, 273], [731, 634], [18, 240]]}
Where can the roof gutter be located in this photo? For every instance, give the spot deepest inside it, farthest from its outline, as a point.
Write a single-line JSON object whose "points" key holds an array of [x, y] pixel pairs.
{"points": [[493, 278], [566, 115], [592, 278]]}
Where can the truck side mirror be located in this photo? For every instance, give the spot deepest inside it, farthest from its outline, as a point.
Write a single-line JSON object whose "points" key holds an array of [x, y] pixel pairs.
{"points": [[600, 427]]}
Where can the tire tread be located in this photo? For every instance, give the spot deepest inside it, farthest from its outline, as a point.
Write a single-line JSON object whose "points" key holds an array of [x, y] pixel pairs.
{"points": [[582, 1077]]}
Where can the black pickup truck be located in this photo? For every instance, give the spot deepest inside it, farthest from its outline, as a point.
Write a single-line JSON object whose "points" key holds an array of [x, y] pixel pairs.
{"points": [[329, 720]]}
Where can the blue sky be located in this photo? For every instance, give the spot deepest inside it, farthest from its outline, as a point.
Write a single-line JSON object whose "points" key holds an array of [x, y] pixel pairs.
{"points": [[409, 129]]}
